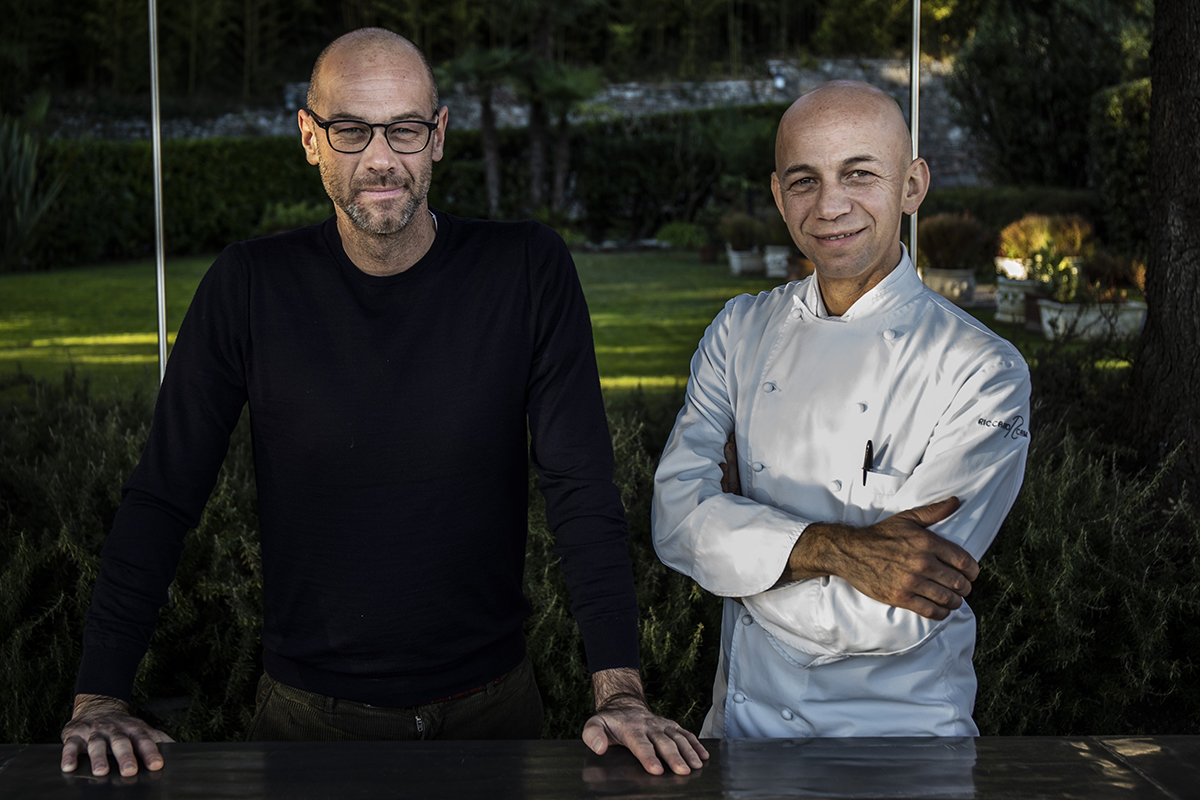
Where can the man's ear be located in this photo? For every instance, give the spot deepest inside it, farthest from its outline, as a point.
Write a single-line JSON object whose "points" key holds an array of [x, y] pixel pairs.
{"points": [[777, 192], [916, 186], [437, 146], [308, 137]]}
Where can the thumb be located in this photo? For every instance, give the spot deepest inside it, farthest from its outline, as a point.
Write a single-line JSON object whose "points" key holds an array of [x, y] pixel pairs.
{"points": [[934, 512], [595, 737]]}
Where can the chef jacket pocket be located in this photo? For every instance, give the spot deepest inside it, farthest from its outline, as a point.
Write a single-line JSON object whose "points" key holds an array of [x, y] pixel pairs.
{"points": [[878, 492]]}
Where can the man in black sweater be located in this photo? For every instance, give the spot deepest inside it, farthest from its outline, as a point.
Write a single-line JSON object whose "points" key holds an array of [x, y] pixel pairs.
{"points": [[393, 359]]}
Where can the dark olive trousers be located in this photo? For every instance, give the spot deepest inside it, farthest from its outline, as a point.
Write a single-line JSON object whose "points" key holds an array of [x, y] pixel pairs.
{"points": [[510, 708]]}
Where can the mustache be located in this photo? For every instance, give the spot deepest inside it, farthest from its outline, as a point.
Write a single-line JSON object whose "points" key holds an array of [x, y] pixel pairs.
{"points": [[382, 182]]}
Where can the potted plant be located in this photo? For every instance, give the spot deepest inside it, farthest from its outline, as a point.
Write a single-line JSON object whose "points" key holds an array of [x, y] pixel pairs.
{"points": [[779, 246], [1018, 243], [948, 248], [1090, 297], [743, 234], [1051, 238]]}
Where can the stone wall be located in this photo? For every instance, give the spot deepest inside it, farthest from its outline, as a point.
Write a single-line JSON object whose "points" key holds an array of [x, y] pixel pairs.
{"points": [[946, 146]]}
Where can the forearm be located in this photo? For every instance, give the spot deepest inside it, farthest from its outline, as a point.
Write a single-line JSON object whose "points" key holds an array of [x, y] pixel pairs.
{"points": [[816, 554], [87, 704], [618, 688]]}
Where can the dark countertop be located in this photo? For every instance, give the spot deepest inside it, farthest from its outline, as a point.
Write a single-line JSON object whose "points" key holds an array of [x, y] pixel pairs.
{"points": [[1089, 768]]}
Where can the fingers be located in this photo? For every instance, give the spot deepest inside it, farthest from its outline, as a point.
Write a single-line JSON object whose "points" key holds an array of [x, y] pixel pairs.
{"points": [[122, 750], [72, 748], [97, 748], [643, 750], [651, 739], [595, 736], [934, 512], [149, 754], [128, 738]]}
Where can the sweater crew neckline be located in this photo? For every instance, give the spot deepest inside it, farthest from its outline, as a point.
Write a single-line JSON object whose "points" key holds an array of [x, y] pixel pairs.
{"points": [[333, 239]]}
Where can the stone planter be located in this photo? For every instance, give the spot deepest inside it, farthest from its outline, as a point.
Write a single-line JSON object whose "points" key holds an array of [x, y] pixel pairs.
{"points": [[1010, 299], [1091, 321], [775, 260], [745, 262], [956, 285]]}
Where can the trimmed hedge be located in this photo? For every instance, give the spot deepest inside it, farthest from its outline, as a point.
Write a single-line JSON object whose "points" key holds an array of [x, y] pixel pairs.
{"points": [[628, 177], [997, 206], [1088, 604], [1120, 163]]}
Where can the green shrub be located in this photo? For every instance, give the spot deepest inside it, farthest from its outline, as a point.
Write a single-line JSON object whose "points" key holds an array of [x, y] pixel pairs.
{"points": [[1119, 135], [683, 235], [1058, 236], [63, 458], [1034, 131], [742, 231], [25, 193], [997, 206], [953, 241], [214, 193], [282, 217], [629, 177], [1088, 602]]}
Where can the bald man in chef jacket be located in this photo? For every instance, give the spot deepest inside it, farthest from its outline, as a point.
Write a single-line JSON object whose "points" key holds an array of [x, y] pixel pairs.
{"points": [[847, 450]]}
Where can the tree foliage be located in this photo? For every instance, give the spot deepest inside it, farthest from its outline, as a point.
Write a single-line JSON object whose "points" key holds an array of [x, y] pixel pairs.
{"points": [[1024, 82]]}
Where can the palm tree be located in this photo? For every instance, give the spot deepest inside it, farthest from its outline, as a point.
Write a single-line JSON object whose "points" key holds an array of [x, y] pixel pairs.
{"points": [[481, 72]]}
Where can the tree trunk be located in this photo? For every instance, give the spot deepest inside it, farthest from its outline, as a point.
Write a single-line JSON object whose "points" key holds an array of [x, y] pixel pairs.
{"points": [[562, 163], [491, 151], [1166, 375], [537, 154]]}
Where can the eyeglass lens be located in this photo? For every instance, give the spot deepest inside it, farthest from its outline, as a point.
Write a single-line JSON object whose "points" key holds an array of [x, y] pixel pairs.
{"points": [[404, 137]]}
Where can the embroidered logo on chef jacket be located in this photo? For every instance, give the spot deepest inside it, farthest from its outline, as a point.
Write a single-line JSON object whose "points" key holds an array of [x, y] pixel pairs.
{"points": [[1010, 430]]}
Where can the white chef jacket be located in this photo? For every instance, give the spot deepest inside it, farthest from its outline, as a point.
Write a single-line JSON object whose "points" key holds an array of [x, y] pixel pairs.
{"points": [[945, 403]]}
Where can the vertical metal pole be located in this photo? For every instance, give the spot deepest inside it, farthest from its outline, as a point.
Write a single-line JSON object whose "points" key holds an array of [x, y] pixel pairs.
{"points": [[160, 254], [914, 111]]}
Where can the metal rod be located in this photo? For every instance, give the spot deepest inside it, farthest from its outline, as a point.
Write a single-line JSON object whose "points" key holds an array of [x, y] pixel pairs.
{"points": [[914, 111], [160, 251]]}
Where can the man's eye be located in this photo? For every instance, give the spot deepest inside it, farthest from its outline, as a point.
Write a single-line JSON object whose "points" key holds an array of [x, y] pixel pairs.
{"points": [[351, 131], [404, 131], [861, 173]]}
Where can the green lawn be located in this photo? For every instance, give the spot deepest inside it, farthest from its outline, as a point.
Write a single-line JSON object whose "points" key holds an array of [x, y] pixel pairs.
{"points": [[648, 312]]}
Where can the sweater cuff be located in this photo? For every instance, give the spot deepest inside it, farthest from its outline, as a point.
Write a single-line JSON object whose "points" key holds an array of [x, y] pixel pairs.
{"points": [[611, 643], [107, 672]]}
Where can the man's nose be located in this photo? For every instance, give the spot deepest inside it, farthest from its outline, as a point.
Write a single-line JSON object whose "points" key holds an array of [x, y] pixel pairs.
{"points": [[379, 156], [832, 201]]}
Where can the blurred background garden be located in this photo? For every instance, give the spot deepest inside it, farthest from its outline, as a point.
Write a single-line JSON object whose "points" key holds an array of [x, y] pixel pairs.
{"points": [[644, 134]]}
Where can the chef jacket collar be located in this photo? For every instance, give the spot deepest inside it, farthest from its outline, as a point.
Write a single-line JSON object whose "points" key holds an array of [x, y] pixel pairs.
{"points": [[899, 287]]}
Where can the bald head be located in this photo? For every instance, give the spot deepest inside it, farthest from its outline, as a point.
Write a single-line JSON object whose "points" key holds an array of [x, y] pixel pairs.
{"points": [[844, 177], [367, 45], [848, 103]]}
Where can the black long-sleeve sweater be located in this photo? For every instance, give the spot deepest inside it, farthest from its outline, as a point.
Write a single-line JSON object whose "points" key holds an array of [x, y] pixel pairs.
{"points": [[389, 418]]}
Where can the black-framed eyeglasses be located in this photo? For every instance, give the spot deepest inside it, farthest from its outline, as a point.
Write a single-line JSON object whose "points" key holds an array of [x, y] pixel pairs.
{"points": [[406, 136]]}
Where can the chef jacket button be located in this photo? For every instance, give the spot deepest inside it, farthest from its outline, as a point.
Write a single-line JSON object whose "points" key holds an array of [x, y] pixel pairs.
{"points": [[747, 619], [769, 386], [889, 334], [786, 713], [862, 408], [835, 485], [738, 697], [758, 466]]}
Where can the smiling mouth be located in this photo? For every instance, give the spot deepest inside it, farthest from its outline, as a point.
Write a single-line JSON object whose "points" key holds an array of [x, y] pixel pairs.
{"points": [[837, 237]]}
